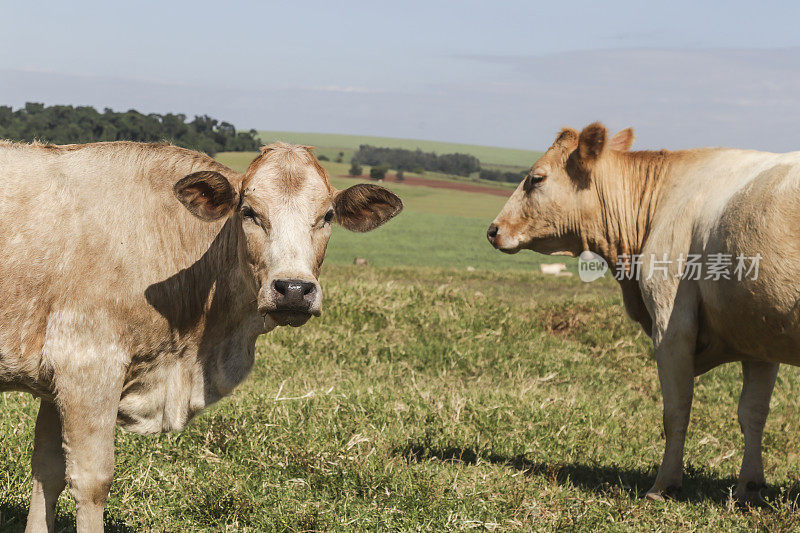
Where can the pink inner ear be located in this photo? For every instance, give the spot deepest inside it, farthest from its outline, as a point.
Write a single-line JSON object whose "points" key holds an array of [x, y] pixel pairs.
{"points": [[622, 141]]}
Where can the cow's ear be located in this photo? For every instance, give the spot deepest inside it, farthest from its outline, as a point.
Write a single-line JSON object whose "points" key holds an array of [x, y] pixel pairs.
{"points": [[591, 143], [622, 141], [208, 195], [364, 207], [567, 138]]}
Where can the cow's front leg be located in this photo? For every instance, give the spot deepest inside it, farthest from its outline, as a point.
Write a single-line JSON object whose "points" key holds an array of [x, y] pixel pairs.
{"points": [[88, 422], [88, 374], [676, 374], [674, 343], [47, 465], [758, 382]]}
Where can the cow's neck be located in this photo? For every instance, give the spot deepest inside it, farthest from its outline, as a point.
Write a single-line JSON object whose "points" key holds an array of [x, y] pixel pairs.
{"points": [[232, 298], [211, 297], [211, 314], [628, 195]]}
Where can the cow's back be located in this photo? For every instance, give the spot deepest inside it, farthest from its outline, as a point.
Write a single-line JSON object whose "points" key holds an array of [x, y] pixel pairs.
{"points": [[89, 227]]}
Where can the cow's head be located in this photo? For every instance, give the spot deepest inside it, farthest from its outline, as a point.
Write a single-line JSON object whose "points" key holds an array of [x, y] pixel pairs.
{"points": [[559, 194], [283, 210]]}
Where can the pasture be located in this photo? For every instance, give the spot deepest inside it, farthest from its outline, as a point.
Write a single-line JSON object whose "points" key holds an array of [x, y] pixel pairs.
{"points": [[240, 160], [330, 144], [428, 397]]}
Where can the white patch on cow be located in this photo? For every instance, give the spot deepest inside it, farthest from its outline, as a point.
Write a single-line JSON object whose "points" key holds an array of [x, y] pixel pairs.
{"points": [[290, 249], [81, 351]]}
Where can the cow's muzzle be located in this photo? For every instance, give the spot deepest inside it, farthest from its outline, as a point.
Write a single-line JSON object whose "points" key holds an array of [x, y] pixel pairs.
{"points": [[291, 301], [501, 241], [491, 233]]}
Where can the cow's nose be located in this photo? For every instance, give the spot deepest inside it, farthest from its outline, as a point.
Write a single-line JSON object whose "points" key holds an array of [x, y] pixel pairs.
{"points": [[294, 294], [491, 233]]}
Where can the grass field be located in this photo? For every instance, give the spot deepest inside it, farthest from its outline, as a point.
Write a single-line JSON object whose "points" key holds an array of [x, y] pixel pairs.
{"points": [[432, 398], [331, 144]]}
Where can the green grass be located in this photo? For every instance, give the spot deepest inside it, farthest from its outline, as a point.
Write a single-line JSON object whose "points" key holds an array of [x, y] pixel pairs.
{"points": [[238, 161], [330, 144], [437, 228], [433, 399]]}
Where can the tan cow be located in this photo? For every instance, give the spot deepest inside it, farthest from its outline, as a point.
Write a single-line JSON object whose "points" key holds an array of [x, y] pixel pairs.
{"points": [[706, 206], [120, 305]]}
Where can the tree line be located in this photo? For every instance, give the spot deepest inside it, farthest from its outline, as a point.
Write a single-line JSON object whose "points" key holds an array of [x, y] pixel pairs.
{"points": [[494, 174], [65, 124], [418, 161]]}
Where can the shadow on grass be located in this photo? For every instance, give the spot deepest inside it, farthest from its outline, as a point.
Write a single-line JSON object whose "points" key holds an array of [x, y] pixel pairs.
{"points": [[13, 518], [698, 485]]}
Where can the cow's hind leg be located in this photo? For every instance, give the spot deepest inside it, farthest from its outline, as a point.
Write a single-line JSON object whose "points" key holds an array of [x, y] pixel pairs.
{"points": [[47, 466], [758, 382]]}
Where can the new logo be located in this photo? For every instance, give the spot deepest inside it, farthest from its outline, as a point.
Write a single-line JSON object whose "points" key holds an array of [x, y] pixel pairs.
{"points": [[591, 266]]}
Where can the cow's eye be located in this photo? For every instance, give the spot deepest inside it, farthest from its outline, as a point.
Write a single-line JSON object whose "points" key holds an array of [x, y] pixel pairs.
{"points": [[329, 216], [533, 180], [248, 212]]}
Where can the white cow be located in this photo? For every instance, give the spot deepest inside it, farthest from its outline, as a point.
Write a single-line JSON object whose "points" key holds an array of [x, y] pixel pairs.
{"points": [[120, 305], [736, 213]]}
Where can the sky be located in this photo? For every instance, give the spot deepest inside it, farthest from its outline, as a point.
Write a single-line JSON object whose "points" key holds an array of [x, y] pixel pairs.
{"points": [[502, 73]]}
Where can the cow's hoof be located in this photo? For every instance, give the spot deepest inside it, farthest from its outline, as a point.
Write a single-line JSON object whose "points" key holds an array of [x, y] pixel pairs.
{"points": [[658, 495], [750, 495]]}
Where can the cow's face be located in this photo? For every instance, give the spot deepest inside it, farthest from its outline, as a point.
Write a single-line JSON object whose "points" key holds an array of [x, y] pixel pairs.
{"points": [[546, 211], [283, 212]]}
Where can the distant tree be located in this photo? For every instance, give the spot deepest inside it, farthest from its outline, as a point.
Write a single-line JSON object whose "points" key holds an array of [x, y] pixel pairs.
{"points": [[340, 157], [324, 158], [401, 159], [378, 172], [64, 124], [494, 174], [400, 176], [355, 169]]}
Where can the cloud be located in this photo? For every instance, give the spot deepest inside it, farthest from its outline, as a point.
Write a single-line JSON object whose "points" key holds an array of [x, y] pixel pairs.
{"points": [[674, 98]]}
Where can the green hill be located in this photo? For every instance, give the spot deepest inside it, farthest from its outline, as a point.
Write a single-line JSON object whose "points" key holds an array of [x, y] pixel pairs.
{"points": [[330, 144]]}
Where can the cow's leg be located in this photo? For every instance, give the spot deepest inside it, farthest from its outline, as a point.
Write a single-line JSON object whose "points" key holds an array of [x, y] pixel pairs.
{"points": [[89, 419], [674, 343], [758, 382], [47, 465], [676, 374], [88, 372]]}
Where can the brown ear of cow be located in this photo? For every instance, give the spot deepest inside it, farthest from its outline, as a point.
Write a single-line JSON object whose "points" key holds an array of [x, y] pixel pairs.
{"points": [[364, 207], [622, 141], [208, 195], [567, 138], [591, 142]]}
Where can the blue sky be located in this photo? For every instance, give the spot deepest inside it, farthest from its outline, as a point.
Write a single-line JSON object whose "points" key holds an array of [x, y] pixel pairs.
{"points": [[502, 73]]}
